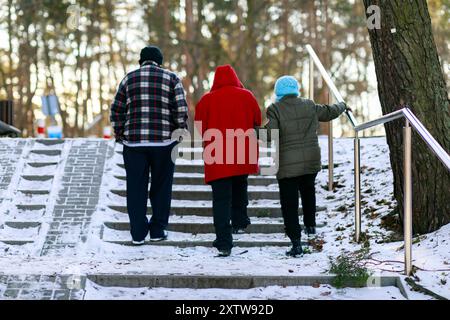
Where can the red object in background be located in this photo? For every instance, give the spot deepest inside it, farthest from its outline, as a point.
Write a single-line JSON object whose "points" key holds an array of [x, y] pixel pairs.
{"points": [[107, 133], [229, 106], [41, 129]]}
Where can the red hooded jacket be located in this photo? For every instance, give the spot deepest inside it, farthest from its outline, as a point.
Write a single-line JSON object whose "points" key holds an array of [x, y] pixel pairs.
{"points": [[228, 107]]}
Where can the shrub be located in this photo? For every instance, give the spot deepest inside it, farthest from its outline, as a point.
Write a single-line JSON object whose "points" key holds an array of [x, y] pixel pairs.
{"points": [[349, 270]]}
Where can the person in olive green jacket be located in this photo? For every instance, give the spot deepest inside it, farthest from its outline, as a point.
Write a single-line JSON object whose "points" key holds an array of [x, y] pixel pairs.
{"points": [[297, 120]]}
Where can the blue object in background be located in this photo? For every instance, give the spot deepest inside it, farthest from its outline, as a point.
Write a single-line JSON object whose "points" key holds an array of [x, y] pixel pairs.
{"points": [[50, 105], [54, 132]]}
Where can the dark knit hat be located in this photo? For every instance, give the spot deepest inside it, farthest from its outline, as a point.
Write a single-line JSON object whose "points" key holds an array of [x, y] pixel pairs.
{"points": [[151, 53]]}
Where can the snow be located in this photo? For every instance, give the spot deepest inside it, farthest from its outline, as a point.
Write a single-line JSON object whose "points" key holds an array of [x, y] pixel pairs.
{"points": [[115, 235], [432, 252], [324, 292], [35, 185], [25, 234], [46, 170]]}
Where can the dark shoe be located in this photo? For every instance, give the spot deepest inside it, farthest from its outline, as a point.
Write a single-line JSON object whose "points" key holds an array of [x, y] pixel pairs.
{"points": [[138, 243], [239, 230], [163, 238], [296, 249], [310, 230], [224, 253]]}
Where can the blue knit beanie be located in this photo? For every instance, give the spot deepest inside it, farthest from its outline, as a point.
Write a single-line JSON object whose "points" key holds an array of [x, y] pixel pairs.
{"points": [[286, 86]]}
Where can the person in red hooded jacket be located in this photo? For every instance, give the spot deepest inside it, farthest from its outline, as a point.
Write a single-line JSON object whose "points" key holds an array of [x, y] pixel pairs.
{"points": [[227, 117]]}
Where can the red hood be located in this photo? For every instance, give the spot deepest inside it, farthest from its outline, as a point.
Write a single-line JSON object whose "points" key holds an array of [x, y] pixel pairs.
{"points": [[226, 76]]}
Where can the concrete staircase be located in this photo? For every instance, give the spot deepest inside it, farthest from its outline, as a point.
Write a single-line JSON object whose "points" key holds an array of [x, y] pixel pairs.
{"points": [[192, 224], [55, 187], [32, 192]]}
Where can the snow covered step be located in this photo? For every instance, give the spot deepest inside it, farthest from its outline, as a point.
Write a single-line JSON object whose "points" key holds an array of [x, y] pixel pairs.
{"points": [[206, 211], [34, 192], [208, 243], [42, 164], [200, 180], [207, 195], [36, 183], [120, 281], [22, 224], [41, 158], [19, 233], [197, 168], [30, 207], [16, 242], [198, 154], [186, 240], [50, 142], [27, 213], [31, 199], [182, 168], [42, 178], [51, 152], [196, 228]]}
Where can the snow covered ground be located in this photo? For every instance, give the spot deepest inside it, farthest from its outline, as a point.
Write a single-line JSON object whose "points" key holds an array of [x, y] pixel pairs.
{"points": [[431, 253], [324, 292]]}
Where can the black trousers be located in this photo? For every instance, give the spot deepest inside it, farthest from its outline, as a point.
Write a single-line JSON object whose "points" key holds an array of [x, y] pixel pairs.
{"points": [[289, 189], [230, 201], [139, 161]]}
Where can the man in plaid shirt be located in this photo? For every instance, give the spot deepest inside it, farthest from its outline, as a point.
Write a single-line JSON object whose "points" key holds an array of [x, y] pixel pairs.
{"points": [[150, 105]]}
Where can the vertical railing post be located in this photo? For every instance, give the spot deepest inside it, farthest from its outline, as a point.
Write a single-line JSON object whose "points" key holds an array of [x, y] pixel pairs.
{"points": [[357, 188], [311, 78], [330, 153], [407, 198]]}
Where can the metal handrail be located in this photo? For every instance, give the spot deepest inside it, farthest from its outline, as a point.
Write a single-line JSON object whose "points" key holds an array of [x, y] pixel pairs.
{"points": [[329, 82], [314, 60], [417, 125], [410, 121], [6, 129]]}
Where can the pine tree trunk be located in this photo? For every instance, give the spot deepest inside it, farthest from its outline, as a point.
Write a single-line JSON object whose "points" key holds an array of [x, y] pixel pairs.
{"points": [[409, 74]]}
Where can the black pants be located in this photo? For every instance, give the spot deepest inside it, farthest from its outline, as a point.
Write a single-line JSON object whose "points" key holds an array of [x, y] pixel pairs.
{"points": [[230, 201], [289, 189], [138, 163]]}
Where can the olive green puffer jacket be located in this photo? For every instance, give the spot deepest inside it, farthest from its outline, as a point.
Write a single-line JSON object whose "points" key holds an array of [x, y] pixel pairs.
{"points": [[298, 121]]}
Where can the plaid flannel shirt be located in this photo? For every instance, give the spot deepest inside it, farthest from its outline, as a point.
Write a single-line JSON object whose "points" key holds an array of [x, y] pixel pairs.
{"points": [[149, 106]]}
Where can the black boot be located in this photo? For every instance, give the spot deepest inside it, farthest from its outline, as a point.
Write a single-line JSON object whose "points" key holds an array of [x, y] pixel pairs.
{"points": [[296, 249], [310, 230]]}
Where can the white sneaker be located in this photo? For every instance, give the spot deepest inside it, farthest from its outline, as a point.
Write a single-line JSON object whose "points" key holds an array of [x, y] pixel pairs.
{"points": [[138, 243], [164, 237]]}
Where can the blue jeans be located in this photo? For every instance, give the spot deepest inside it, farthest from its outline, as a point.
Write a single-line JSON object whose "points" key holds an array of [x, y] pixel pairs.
{"points": [[139, 162]]}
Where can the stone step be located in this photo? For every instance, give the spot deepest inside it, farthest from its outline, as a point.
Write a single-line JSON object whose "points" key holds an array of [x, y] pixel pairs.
{"points": [[50, 142], [42, 164], [192, 168], [252, 180], [22, 224], [196, 228], [30, 207], [184, 168], [16, 242], [208, 243], [259, 212], [34, 192], [207, 195], [225, 281], [198, 154], [47, 152], [37, 178]]}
